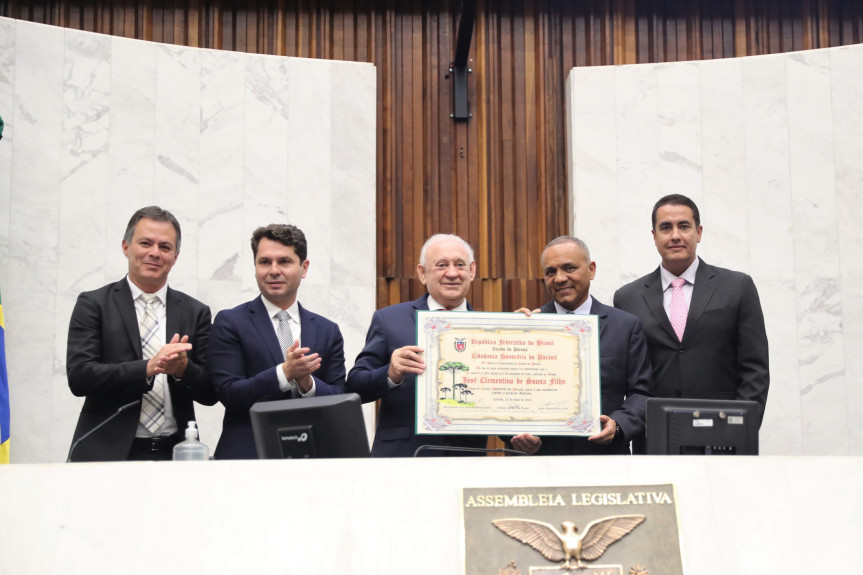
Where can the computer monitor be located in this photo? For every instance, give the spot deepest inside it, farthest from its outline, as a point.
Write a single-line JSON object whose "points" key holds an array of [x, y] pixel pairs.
{"points": [[701, 427], [314, 427]]}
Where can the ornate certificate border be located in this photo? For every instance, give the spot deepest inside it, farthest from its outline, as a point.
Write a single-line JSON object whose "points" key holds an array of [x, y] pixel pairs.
{"points": [[506, 373]]}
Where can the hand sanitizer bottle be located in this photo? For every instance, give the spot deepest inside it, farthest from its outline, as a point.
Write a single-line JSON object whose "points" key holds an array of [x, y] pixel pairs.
{"points": [[191, 449]]}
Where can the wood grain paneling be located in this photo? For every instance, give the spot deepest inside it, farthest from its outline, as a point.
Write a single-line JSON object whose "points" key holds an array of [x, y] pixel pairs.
{"points": [[498, 179]]}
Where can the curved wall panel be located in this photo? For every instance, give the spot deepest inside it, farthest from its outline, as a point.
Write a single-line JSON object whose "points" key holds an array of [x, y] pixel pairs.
{"points": [[769, 148], [98, 126]]}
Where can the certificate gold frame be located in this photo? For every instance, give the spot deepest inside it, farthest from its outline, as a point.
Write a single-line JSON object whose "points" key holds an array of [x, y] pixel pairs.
{"points": [[506, 373]]}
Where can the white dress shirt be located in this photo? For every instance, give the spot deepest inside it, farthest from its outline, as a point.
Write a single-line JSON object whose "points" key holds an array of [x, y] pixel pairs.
{"points": [[583, 309]]}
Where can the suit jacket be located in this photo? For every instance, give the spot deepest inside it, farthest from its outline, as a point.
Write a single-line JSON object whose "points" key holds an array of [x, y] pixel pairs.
{"points": [[391, 328], [244, 353], [625, 372], [105, 365], [723, 354]]}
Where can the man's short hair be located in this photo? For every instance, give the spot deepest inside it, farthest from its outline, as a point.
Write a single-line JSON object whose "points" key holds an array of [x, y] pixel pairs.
{"points": [[436, 238], [154, 213], [568, 240], [286, 234], [675, 200]]}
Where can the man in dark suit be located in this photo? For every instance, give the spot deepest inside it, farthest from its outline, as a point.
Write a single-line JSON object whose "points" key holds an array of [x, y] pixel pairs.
{"points": [[704, 325], [272, 347], [624, 369], [113, 362], [387, 367]]}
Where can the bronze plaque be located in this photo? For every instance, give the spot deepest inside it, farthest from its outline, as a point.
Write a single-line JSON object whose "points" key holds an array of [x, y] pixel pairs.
{"points": [[619, 530]]}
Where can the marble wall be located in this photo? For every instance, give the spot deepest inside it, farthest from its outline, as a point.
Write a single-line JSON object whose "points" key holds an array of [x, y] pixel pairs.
{"points": [[770, 149], [98, 126]]}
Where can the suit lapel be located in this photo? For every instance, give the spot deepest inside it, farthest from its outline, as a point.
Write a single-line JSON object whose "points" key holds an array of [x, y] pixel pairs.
{"points": [[702, 291], [600, 310], [263, 324], [125, 308], [308, 333], [172, 315], [653, 299], [419, 304]]}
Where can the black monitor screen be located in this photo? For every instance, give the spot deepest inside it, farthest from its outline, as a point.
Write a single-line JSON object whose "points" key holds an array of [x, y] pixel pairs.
{"points": [[701, 427], [314, 427]]}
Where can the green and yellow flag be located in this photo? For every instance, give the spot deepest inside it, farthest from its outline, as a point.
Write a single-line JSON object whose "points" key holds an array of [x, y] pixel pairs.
{"points": [[4, 394]]}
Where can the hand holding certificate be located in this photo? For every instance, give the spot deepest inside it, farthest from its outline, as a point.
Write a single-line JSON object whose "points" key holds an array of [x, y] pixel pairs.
{"points": [[505, 373]]}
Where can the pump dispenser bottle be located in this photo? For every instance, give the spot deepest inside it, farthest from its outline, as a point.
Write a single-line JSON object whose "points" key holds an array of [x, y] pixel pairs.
{"points": [[191, 449]]}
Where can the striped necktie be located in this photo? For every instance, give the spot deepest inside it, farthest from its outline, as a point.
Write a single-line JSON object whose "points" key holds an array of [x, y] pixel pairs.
{"points": [[153, 404]]}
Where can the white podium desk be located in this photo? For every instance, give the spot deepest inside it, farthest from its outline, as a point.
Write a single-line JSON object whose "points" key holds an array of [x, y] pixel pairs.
{"points": [[738, 515]]}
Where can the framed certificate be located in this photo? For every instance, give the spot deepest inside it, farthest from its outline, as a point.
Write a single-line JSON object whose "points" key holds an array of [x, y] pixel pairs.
{"points": [[507, 373]]}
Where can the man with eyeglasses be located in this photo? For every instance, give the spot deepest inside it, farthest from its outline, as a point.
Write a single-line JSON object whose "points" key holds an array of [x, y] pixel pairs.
{"points": [[387, 367]]}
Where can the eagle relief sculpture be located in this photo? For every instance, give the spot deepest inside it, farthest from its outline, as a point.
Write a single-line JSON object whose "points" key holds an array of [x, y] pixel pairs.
{"points": [[569, 545]]}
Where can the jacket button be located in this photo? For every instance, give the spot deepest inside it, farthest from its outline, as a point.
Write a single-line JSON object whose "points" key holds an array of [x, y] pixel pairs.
{"points": [[678, 393]]}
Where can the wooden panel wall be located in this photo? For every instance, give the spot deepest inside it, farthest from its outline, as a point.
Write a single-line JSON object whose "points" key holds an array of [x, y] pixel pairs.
{"points": [[499, 179]]}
